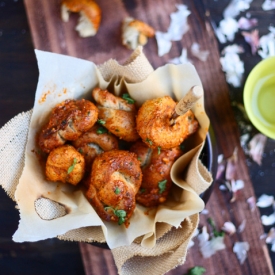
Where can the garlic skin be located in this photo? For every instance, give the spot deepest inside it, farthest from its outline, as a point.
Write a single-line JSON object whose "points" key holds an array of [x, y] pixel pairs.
{"points": [[229, 228], [241, 249]]}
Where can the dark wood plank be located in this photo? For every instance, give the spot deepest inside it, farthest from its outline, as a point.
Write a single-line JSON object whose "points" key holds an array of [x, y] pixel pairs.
{"points": [[18, 80]]}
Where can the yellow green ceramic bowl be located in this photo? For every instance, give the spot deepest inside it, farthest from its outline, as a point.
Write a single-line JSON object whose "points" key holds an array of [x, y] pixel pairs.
{"points": [[259, 96]]}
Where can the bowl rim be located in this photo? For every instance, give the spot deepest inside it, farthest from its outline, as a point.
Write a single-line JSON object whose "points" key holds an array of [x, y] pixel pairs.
{"points": [[247, 92]]}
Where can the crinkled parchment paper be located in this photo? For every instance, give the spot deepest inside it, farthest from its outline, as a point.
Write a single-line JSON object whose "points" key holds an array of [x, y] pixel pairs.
{"points": [[63, 77]]}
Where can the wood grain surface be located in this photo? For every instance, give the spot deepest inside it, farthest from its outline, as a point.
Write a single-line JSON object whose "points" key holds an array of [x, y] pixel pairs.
{"points": [[49, 33]]}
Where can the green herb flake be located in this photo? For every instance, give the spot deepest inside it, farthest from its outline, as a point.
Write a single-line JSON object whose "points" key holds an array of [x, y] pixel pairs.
{"points": [[128, 98], [117, 191], [149, 141], [101, 121], [162, 186], [101, 130], [80, 150], [159, 150], [142, 190], [197, 270], [71, 168], [121, 214], [213, 226]]}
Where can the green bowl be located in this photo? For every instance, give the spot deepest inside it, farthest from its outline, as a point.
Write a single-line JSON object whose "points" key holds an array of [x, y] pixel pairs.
{"points": [[259, 96]]}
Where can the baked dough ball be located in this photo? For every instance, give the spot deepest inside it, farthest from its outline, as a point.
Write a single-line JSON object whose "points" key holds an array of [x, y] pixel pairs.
{"points": [[154, 123], [68, 120], [65, 164], [156, 165], [119, 115], [94, 142], [115, 180]]}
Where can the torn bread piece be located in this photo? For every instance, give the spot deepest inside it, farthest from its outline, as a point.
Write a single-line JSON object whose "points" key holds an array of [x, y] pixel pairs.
{"points": [[89, 15], [135, 33]]}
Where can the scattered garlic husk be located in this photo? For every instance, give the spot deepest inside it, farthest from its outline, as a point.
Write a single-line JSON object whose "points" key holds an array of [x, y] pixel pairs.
{"points": [[201, 55], [265, 201], [241, 249], [228, 27], [267, 44], [222, 187], [268, 5], [270, 238], [177, 28], [235, 7], [247, 24], [178, 25], [237, 185], [164, 43], [205, 211], [232, 65], [229, 228], [209, 247], [243, 141], [241, 227], [256, 147], [268, 220], [230, 173], [252, 38], [195, 234], [135, 33], [221, 167], [221, 37], [251, 203]]}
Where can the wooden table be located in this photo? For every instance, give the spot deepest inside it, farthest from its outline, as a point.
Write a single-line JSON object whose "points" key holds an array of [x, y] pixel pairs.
{"points": [[19, 80]]}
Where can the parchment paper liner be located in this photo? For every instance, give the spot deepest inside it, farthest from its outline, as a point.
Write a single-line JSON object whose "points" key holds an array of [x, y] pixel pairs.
{"points": [[64, 77]]}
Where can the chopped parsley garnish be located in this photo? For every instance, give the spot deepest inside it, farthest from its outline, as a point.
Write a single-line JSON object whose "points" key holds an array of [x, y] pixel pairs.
{"points": [[128, 98], [80, 150], [149, 141], [117, 191], [121, 214], [215, 231], [101, 121], [182, 147], [197, 270], [101, 130], [159, 150], [71, 168], [142, 190], [162, 186]]}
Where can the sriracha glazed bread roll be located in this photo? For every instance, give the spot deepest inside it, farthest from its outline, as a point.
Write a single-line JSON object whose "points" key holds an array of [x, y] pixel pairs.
{"points": [[156, 165], [68, 120], [65, 164], [115, 180], [118, 114], [154, 123]]}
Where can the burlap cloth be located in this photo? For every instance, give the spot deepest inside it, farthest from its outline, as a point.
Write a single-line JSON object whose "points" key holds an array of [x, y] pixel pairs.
{"points": [[155, 244]]}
